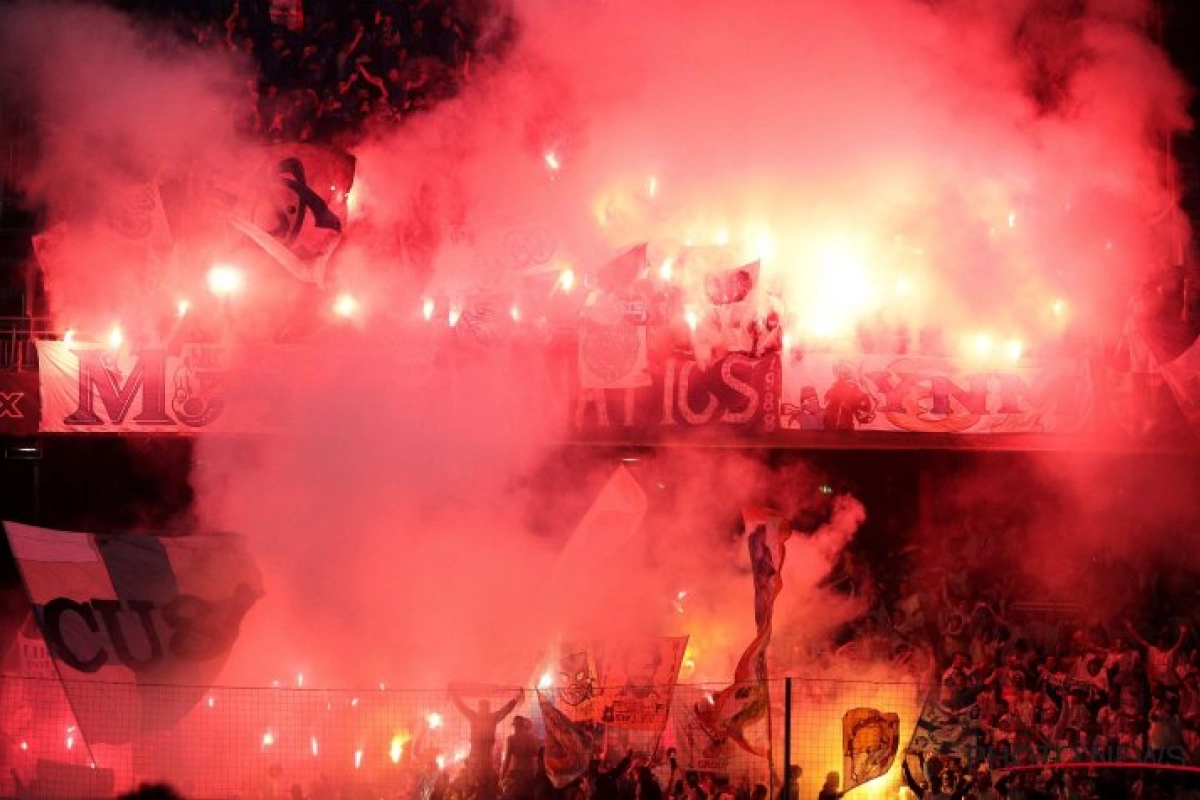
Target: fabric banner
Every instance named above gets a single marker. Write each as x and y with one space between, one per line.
19 403
738 390
870 739
620 684
568 745
745 702
825 391
946 731
289 201
638 679
88 388
697 748
123 614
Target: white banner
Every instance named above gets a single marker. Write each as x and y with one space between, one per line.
88 388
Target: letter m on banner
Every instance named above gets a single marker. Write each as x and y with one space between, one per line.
137 626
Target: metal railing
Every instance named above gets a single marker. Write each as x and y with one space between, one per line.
18 337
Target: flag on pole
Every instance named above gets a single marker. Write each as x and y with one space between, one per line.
568 745
870 739
137 626
745 702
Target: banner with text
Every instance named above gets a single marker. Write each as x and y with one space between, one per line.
123 615
911 394
19 408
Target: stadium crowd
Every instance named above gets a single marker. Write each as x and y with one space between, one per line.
332 70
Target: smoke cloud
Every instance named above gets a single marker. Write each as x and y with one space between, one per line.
952 164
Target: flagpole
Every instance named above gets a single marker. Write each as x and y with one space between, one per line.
53 655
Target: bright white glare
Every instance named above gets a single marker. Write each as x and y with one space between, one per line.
225 280
567 279
345 306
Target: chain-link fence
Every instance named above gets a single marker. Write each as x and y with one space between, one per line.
226 742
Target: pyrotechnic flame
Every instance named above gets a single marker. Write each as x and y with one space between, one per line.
721 237
397 749
427 306
115 338
299 680
441 761
68 336
552 161
358 755
434 720
515 312
24 745
315 749
677 603
211 701
455 313
692 319
225 280
566 279
1013 349
652 186
664 271
268 739
547 680
354 703
345 306
183 307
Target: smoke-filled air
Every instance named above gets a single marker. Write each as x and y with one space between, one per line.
988 179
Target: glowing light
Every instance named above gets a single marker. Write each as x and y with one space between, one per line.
345 306
546 681
70 742
115 338
358 754
397 749
183 307
665 270
382 686
315 749
678 602
1059 308
427 306
515 312
1012 219
690 664
566 279
552 161
455 314
786 341
299 680
981 345
692 319
212 701
903 287
766 245
434 720
268 739
460 755
68 336
24 745
1013 349
354 703
441 761
722 237
652 186
353 200
225 280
